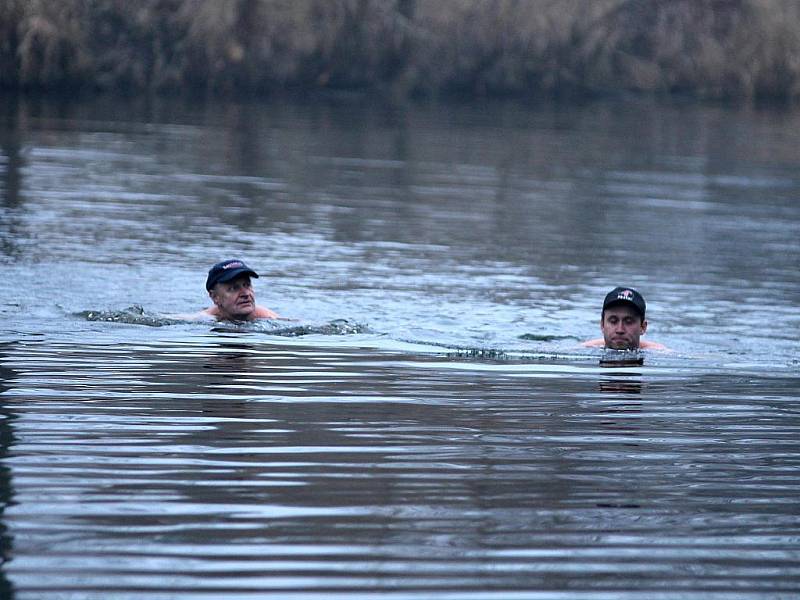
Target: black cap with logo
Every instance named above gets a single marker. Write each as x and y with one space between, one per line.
625 295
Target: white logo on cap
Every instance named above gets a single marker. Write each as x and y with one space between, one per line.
232 265
625 295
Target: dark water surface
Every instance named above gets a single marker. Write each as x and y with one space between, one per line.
429 426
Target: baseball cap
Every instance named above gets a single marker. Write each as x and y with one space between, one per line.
625 294
227 270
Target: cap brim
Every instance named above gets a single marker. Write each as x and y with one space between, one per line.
234 273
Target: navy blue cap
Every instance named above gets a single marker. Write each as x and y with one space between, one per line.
227 270
626 295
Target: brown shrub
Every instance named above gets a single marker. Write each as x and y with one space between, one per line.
711 48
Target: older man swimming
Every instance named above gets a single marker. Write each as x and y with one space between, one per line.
231 290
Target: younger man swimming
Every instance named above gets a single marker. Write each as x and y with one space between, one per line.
623 322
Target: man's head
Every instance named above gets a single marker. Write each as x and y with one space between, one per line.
229 287
623 318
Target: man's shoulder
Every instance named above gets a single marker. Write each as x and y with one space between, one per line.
212 312
262 312
647 345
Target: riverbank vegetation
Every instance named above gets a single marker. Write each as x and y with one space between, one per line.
707 48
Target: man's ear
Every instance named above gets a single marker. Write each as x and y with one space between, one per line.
213 296
644 325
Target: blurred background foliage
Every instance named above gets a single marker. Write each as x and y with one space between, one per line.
716 49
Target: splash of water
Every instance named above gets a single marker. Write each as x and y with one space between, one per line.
335 327
136 315
132 315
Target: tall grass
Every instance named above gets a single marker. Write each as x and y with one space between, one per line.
710 48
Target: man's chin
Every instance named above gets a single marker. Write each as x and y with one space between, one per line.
244 314
620 345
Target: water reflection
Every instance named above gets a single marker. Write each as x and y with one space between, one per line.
11 144
12 163
621 385
335 468
7 440
625 384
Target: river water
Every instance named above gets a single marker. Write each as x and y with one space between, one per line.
428 426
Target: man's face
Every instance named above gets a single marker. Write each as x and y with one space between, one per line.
622 327
235 299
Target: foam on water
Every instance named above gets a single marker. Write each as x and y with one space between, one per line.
136 315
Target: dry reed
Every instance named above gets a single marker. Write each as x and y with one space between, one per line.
710 48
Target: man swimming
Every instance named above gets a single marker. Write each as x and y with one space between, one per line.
623 322
230 289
